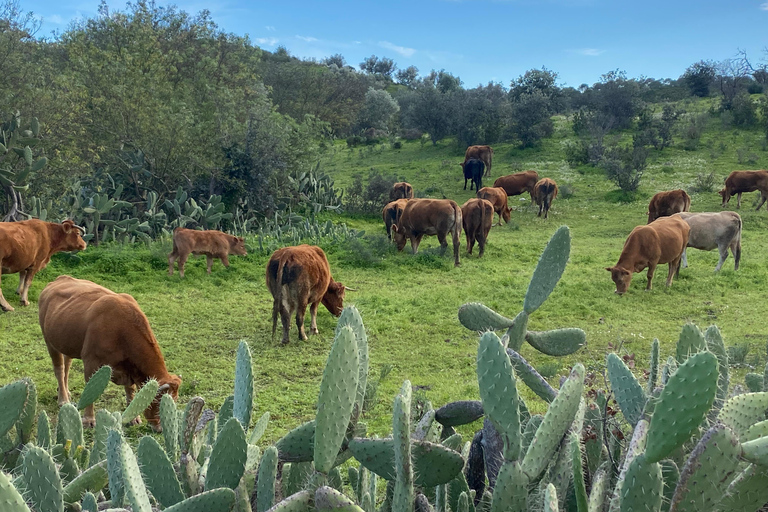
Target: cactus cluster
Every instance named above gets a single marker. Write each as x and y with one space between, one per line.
17 161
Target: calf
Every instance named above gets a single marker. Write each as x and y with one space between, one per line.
401 190
473 172
484 153
662 241
498 198
477 216
26 247
297 277
516 184
429 217
739 182
391 214
82 320
719 230
664 204
544 193
212 243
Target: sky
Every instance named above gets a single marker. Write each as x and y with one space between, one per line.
485 40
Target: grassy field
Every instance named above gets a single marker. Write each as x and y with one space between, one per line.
409 303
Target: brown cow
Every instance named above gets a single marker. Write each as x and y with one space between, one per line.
662 241
297 277
498 198
739 182
26 247
477 216
544 193
484 153
391 214
429 217
401 190
664 204
516 184
212 243
82 320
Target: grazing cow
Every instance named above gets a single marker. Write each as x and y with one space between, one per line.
473 172
664 204
297 277
719 230
477 216
82 320
401 190
26 247
212 243
739 182
544 193
429 217
516 184
391 214
498 198
662 241
484 153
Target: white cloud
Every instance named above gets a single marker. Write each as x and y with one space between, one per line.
267 41
402 50
54 18
270 28
307 39
764 6
589 52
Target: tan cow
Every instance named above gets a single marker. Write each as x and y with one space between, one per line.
401 190
429 217
739 182
661 241
516 184
498 198
297 277
82 320
26 247
667 203
391 214
544 193
212 243
477 216
484 153
721 230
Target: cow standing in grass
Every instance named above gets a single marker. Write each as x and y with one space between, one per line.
516 184
544 193
484 153
421 217
667 203
212 243
720 230
473 172
477 217
739 182
26 247
391 214
498 198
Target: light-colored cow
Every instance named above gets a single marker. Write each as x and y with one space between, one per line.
710 230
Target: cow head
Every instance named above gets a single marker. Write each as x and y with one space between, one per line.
73 237
622 277
169 385
237 246
398 235
334 297
725 195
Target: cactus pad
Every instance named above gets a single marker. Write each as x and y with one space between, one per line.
217 500
158 473
259 428
26 422
350 316
628 392
169 420
95 386
135 491
265 495
548 270
459 413
743 411
10 499
643 486
298 444
559 342
511 489
141 400
13 396
691 342
69 426
43 430
228 457
531 377
748 491
479 318
515 335
94 479
243 404
44 488
329 499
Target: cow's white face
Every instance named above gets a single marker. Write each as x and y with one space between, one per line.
622 277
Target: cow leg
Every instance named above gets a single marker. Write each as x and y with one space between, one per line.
300 313
736 251
443 243
651 270
4 303
313 318
415 241
465 184
130 390
481 244
25 291
209 261
685 258
182 262
22 276
285 319
723 250
225 261
674 268
470 241
171 260
57 359
738 202
456 240
762 202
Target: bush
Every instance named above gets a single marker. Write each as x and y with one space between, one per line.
411 134
704 183
743 110
693 131
625 166
369 198
576 153
354 140
566 191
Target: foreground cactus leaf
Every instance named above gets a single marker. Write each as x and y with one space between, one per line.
135 491
95 387
351 317
548 270
748 491
479 318
69 426
691 342
627 390
259 428
94 479
559 342
10 499
265 497
531 377
158 473
743 411
243 401
44 489
643 486
297 502
459 413
13 396
217 500
328 499
141 400
509 493
169 420
298 444
228 457
402 497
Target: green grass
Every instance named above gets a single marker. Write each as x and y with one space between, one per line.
409 303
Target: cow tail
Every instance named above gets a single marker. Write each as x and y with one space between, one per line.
737 252
456 221
278 296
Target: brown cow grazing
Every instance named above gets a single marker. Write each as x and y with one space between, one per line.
516 184
664 204
544 193
82 320
212 243
739 182
429 217
484 153
662 241
477 216
392 213
401 190
26 247
498 198
297 277
719 230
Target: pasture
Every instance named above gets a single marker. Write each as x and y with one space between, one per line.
409 303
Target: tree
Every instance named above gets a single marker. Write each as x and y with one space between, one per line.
407 76
541 80
378 109
531 118
429 110
617 97
481 114
378 66
336 59
699 77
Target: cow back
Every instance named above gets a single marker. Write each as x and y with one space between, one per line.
303 269
516 184
746 181
401 190
476 213
31 243
428 216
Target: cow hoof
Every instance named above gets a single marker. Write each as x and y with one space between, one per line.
25 303
135 421
7 309
285 341
315 331
156 428
89 422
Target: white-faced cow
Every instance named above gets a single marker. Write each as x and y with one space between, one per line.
212 243
718 230
26 247
82 320
739 182
421 217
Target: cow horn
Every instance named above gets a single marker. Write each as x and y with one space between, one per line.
350 289
82 229
162 389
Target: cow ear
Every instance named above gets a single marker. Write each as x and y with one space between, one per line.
625 272
609 269
394 228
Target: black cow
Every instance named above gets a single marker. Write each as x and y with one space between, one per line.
473 170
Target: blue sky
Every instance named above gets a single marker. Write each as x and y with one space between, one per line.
487 40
